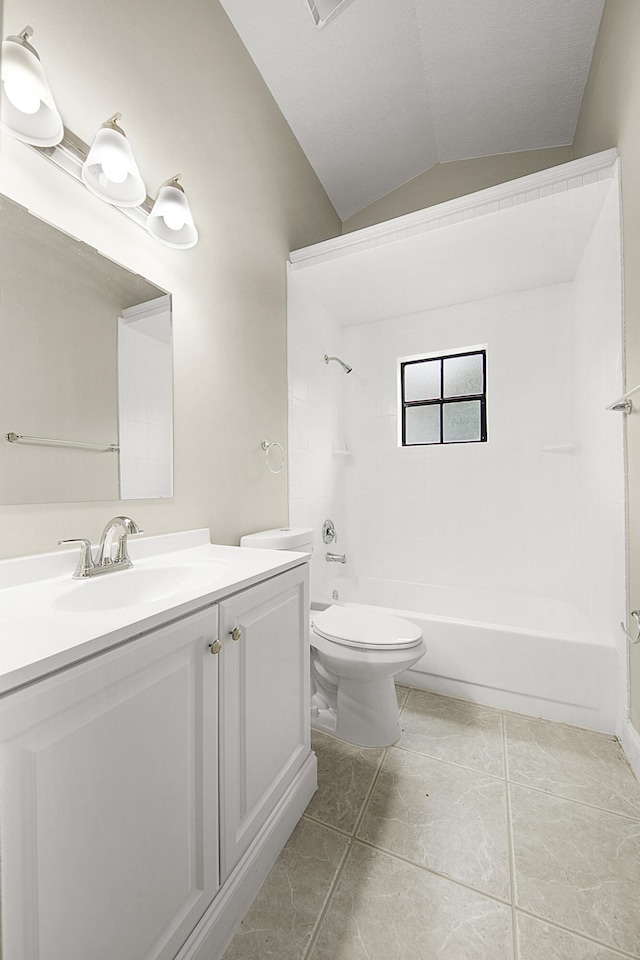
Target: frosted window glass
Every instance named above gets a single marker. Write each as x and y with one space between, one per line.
422 380
422 424
463 376
461 421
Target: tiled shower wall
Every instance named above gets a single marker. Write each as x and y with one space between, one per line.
599 452
537 511
498 515
316 432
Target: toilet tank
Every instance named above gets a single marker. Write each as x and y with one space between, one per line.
298 539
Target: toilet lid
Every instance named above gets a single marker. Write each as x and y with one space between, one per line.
365 628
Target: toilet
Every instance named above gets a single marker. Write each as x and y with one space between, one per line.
356 653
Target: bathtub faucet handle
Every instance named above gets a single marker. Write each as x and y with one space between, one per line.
329 531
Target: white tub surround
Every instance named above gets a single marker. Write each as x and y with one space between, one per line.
535 516
554 181
141 749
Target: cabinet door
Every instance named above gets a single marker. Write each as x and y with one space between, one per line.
109 801
264 704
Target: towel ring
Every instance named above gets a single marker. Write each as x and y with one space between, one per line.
266 446
636 616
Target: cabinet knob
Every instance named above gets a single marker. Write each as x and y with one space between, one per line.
236 633
215 647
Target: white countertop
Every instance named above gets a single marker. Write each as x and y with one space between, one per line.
47 619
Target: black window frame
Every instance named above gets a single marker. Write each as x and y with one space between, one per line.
443 401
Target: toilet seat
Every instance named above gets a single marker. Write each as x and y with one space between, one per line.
365 629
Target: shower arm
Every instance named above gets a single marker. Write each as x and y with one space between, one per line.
345 366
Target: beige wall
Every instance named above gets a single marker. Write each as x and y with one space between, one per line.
192 102
610 117
448 180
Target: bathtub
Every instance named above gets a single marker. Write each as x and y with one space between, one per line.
531 655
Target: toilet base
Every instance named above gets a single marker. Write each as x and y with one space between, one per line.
324 719
366 713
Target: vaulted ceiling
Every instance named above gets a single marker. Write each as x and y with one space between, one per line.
388 88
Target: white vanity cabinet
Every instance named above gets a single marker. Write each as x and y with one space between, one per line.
146 791
109 798
264 705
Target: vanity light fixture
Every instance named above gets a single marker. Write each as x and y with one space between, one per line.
170 220
27 107
110 170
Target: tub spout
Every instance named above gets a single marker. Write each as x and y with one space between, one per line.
335 557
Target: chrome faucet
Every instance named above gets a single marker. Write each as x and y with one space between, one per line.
116 530
335 557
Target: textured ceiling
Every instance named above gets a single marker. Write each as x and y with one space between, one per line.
388 88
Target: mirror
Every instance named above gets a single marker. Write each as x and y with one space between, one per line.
86 392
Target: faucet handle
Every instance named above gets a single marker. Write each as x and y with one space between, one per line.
120 528
85 563
130 528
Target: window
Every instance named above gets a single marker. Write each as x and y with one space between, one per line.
443 398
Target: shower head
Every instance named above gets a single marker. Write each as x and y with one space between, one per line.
345 366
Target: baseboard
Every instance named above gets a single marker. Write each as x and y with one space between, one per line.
630 740
213 933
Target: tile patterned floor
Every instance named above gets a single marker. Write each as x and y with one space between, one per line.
481 835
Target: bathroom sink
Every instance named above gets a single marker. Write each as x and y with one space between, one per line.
138 585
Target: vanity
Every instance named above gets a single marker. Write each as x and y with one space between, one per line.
154 746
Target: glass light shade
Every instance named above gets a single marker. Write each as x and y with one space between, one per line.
110 170
170 220
27 107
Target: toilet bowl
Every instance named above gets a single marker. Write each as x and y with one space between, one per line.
355 656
